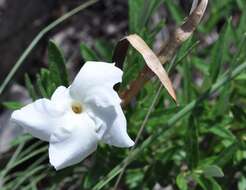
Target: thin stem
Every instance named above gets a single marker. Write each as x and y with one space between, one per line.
38 38
151 108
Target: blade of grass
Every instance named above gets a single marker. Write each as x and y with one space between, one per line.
26 176
17 162
39 36
12 160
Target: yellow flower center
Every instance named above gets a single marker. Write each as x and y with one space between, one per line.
77 107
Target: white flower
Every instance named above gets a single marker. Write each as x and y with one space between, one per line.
78 117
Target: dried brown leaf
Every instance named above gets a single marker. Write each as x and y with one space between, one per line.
149 56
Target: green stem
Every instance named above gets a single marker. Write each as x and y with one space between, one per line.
169 125
38 38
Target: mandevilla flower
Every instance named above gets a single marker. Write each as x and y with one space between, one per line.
78 117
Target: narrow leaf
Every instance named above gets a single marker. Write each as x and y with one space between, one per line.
12 105
57 65
30 87
104 49
213 171
208 183
41 87
227 155
87 53
222 132
218 53
181 182
192 143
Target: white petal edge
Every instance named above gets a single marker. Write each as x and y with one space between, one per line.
61 98
38 118
72 142
94 74
116 134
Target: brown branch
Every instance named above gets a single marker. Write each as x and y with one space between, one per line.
180 35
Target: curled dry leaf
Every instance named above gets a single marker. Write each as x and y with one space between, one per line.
149 56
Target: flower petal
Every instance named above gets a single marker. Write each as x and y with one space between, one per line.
73 141
61 98
93 86
100 104
116 135
38 118
94 74
101 97
111 122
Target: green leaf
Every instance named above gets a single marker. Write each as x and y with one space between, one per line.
175 11
156 30
200 64
238 113
181 182
87 53
223 102
192 143
135 8
208 183
213 171
134 177
240 155
226 155
242 6
104 49
218 52
41 87
222 132
12 105
88 182
187 72
20 139
57 65
241 77
140 12
150 8
30 88
242 183
47 82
